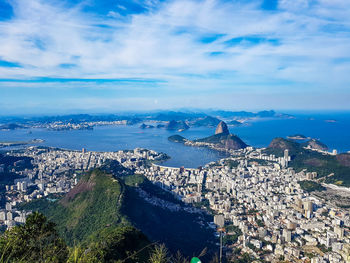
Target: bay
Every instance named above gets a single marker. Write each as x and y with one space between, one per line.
331 128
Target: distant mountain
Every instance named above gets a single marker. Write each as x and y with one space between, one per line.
177 125
266 114
243 114
11 126
177 116
206 121
234 123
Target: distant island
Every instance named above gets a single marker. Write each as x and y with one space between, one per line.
177 125
145 126
331 121
19 143
298 137
12 126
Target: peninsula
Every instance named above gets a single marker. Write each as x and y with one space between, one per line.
222 140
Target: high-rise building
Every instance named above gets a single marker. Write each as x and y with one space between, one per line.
287 235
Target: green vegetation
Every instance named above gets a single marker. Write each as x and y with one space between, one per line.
313 161
99 205
36 241
231 163
310 186
87 209
179 230
233 232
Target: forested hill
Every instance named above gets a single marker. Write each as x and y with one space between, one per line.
314 161
101 203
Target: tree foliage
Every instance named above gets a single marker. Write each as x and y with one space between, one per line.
35 241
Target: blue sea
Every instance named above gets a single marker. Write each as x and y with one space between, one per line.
332 128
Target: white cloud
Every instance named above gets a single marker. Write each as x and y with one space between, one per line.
164 43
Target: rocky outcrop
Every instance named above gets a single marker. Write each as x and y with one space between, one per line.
145 126
177 125
222 129
316 144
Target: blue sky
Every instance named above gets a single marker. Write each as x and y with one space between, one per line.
60 56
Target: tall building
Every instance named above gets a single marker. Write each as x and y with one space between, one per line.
308 208
287 235
286 154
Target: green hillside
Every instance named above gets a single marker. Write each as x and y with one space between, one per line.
99 205
313 161
179 230
91 206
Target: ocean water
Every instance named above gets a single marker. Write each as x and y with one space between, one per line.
333 129
114 138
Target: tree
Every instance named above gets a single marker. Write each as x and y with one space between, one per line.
35 241
159 254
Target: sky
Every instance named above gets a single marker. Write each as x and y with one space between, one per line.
66 56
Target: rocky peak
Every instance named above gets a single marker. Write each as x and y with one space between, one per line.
222 128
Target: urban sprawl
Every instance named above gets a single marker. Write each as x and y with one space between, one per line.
250 193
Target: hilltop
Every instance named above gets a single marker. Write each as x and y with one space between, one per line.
334 169
222 128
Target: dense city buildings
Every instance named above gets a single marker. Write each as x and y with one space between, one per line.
257 195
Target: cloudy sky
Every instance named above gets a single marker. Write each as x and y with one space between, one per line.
109 55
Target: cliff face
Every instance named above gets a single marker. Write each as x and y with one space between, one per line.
222 129
233 142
